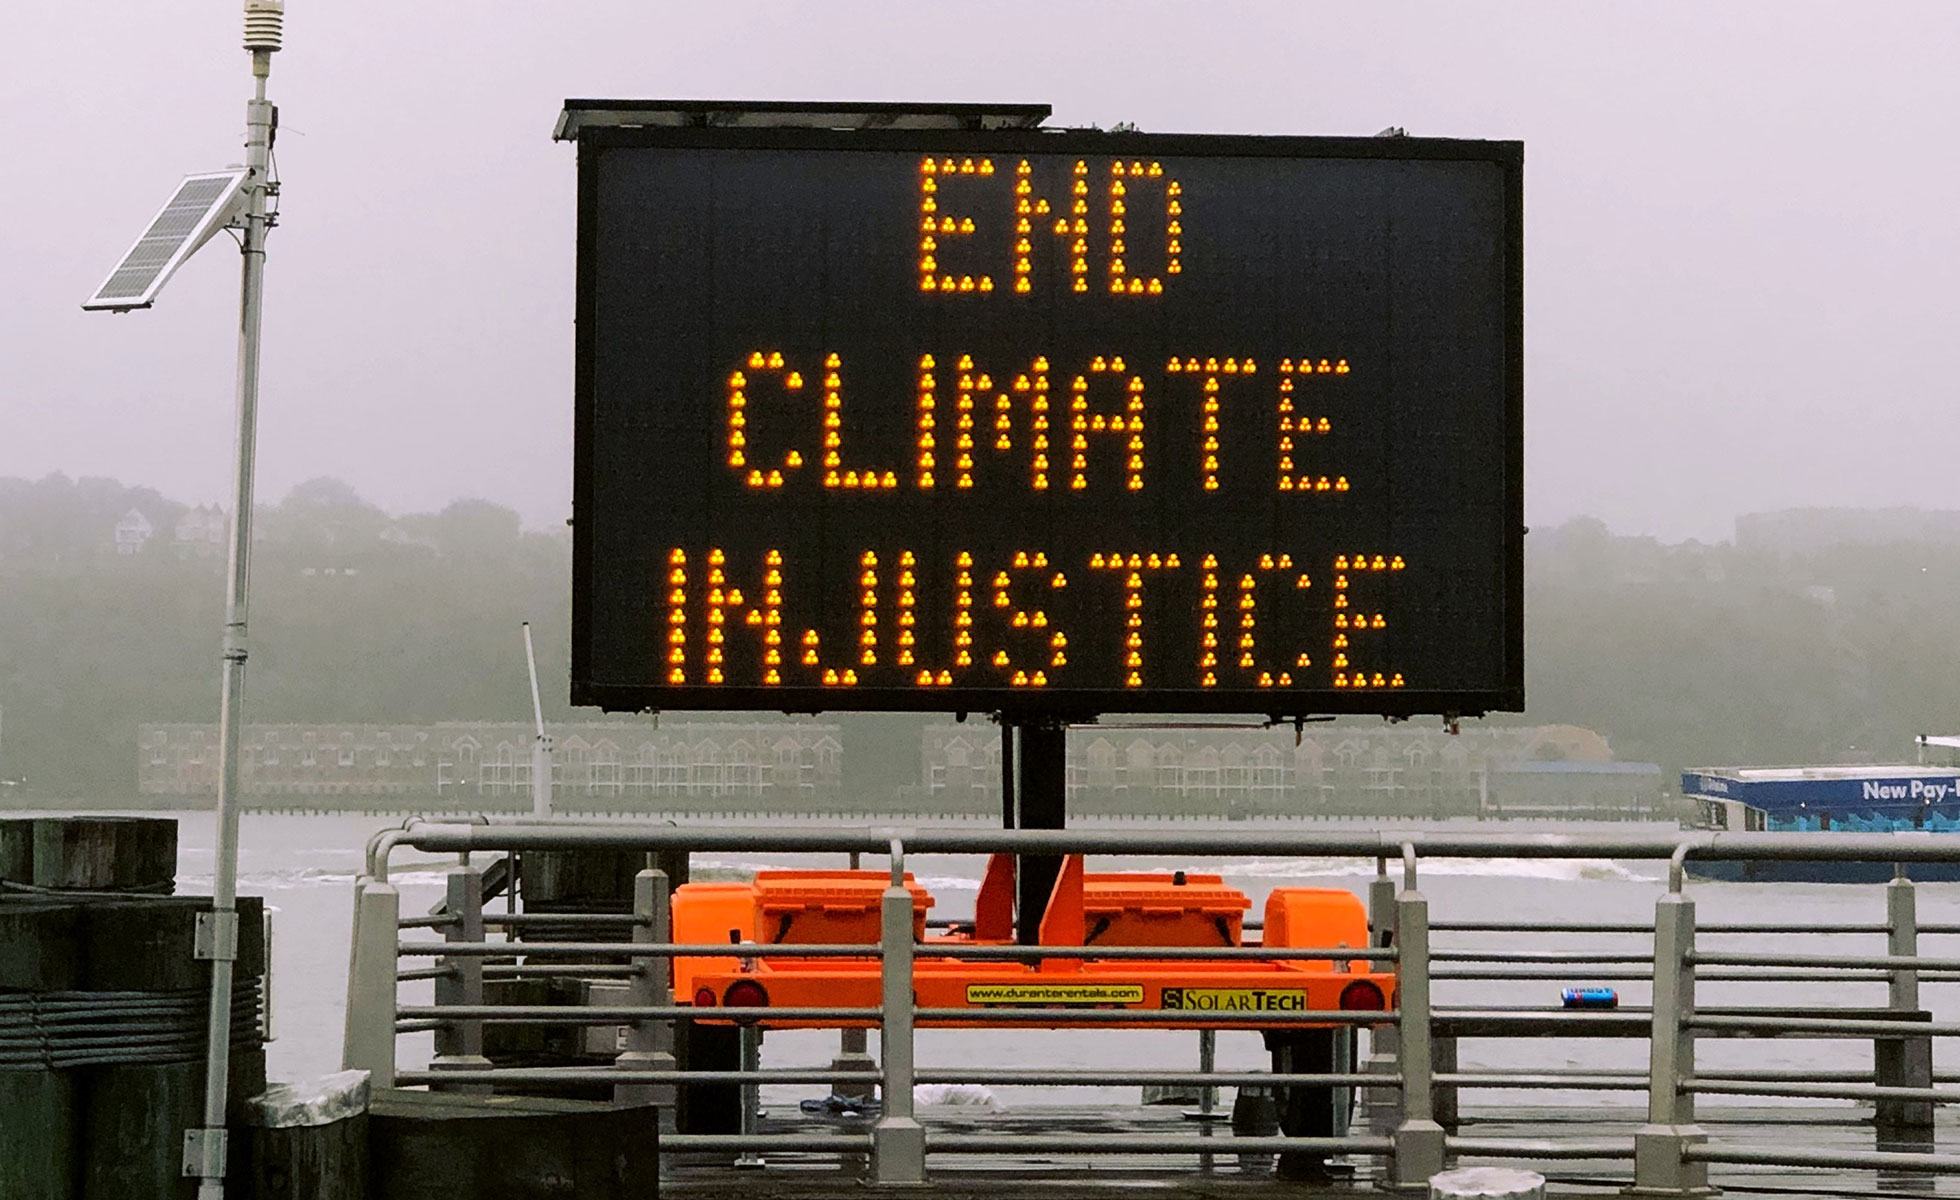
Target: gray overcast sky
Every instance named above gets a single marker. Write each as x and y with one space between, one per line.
1741 237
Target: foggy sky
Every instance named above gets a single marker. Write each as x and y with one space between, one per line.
1740 218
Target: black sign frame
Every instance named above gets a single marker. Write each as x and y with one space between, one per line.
1505 694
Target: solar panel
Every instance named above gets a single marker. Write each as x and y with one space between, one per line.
201 206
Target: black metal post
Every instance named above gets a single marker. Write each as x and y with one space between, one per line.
1042 793
1007 775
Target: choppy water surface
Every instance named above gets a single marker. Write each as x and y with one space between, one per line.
305 867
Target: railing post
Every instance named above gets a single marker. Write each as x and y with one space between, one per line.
898 1141
1418 1139
1384 1104
459 1044
649 1042
368 1041
852 1044
1658 1166
1903 1061
749 1158
1207 1094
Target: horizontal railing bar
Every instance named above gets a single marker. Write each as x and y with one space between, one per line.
1102 1144
1555 1077
1174 1018
1907 846
1074 1077
1815 975
1482 1147
779 1143
929 950
1528 1081
1770 1075
1647 928
631 950
419 1026
1537 956
1827 1026
443 921
613 1014
1792 1156
559 920
613 1075
1615 927
1563 974
1880 962
1818 1091
554 971
424 973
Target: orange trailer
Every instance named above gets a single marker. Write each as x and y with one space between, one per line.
1085 910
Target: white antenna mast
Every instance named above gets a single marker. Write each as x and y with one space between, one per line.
541 745
238 199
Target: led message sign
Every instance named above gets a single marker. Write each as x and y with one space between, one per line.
1039 421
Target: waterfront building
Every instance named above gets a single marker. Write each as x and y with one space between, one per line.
1330 770
597 764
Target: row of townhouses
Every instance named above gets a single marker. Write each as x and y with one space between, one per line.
798 766
458 761
1524 770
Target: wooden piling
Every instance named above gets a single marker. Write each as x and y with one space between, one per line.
38 1159
16 852
438 1146
105 854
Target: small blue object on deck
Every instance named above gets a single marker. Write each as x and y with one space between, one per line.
1590 997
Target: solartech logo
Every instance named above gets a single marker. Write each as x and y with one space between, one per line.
1235 1000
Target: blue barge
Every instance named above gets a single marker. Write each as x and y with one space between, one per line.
1853 799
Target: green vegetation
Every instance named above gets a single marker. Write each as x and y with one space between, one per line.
1771 650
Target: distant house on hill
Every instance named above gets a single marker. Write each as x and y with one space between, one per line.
133 532
200 532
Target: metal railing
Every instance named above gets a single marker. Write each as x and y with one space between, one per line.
1408 1078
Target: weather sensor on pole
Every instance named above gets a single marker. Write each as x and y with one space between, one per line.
237 199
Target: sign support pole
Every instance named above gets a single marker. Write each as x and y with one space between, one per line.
1041 791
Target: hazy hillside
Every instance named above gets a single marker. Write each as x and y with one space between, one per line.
1684 654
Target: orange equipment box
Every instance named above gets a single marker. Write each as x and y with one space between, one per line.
1140 909
832 907
1322 918
806 907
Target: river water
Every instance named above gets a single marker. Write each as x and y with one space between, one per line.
305 867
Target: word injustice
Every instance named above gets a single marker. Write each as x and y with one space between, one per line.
1027 621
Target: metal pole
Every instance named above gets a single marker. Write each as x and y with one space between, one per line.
1384 1103
1042 797
205 1152
852 1043
369 1041
1660 1164
459 1046
751 1093
898 1140
541 744
649 1042
1207 1094
1903 1061
1419 1139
